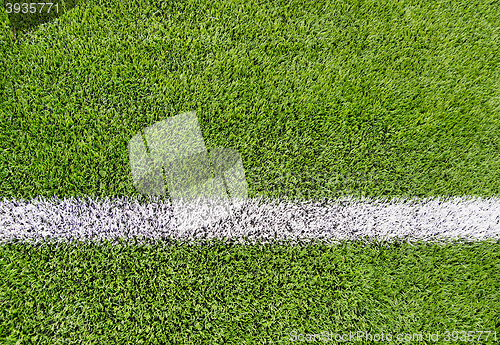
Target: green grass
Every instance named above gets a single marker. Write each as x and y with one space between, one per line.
322 99
378 98
222 293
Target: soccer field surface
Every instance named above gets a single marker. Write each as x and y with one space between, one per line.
369 134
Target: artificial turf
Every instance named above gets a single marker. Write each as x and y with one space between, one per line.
373 98
321 99
218 292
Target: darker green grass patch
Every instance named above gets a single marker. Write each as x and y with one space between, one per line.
218 292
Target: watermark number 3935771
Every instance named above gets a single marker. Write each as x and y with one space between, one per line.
31 7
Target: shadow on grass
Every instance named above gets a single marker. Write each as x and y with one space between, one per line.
27 15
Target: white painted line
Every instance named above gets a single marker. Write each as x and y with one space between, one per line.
69 219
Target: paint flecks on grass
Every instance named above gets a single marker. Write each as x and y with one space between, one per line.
260 219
